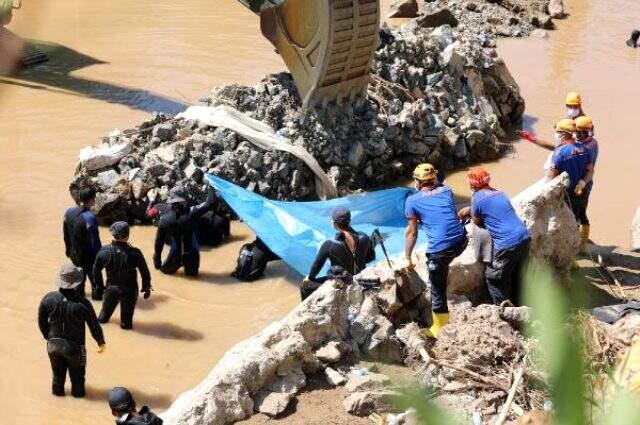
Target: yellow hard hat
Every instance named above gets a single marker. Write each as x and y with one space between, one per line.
566 125
425 172
573 99
584 123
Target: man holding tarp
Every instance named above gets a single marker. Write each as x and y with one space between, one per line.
433 208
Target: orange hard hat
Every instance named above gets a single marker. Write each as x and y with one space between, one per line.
566 126
584 123
573 99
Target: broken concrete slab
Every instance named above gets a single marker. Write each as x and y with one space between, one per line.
329 353
272 403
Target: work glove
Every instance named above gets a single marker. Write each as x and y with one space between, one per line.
101 348
580 187
526 135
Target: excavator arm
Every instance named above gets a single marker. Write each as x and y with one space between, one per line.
327 45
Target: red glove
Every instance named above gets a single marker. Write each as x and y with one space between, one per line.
526 135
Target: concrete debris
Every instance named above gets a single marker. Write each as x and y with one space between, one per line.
438 18
438 95
556 9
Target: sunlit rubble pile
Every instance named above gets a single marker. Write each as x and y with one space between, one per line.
436 96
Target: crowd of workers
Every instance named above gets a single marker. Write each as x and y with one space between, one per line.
63 314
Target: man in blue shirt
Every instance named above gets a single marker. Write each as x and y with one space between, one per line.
433 208
584 135
577 161
82 237
492 209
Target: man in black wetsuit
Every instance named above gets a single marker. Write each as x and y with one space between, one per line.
123 408
81 236
350 250
62 316
177 229
121 261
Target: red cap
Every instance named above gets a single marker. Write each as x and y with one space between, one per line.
478 178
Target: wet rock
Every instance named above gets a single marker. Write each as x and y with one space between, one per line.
437 18
403 9
334 377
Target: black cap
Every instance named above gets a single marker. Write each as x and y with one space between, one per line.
120 399
341 215
119 230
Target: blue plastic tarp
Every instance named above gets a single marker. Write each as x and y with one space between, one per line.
295 230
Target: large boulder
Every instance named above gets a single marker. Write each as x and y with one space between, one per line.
261 372
635 231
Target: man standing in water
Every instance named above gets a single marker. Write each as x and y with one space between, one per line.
123 408
121 261
350 250
82 238
62 316
492 209
177 228
433 209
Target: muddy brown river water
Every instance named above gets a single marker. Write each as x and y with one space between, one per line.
114 62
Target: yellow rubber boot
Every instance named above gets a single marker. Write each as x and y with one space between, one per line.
439 320
584 237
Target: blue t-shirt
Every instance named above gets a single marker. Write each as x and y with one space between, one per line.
592 147
573 158
500 219
436 211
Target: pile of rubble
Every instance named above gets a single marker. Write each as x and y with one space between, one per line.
505 18
441 96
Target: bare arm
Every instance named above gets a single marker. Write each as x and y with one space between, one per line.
545 144
411 236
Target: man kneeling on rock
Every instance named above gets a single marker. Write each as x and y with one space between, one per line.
121 261
433 208
350 251
492 209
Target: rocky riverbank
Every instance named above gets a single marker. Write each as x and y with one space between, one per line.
437 95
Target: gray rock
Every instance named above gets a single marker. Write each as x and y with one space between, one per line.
334 377
139 188
356 154
556 9
107 179
330 352
474 136
437 18
365 403
388 299
403 9
542 20
164 131
271 403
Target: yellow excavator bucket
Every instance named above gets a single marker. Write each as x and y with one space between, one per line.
327 45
